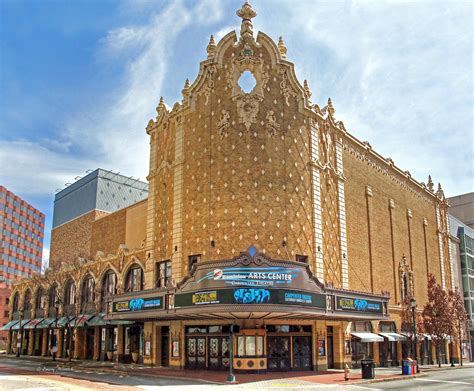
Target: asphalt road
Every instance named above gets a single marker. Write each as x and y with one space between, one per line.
23 376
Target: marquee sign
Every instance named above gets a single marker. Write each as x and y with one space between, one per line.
139 304
250 296
358 305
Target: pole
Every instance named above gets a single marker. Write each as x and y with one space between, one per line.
415 339
460 342
231 377
56 331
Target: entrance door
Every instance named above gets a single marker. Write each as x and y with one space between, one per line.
89 344
330 352
218 352
165 350
196 352
278 353
302 360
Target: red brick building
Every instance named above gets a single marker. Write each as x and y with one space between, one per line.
21 246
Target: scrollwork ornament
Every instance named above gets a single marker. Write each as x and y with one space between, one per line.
223 124
272 126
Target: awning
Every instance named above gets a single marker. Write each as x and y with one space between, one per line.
62 322
393 337
47 322
33 323
99 320
21 324
81 320
9 325
367 337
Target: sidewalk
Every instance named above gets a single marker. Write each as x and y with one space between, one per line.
220 377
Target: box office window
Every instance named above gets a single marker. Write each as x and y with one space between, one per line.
249 345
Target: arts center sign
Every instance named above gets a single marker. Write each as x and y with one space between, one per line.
249 286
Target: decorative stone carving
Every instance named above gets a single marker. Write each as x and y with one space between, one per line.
247 108
272 126
406 280
284 87
223 124
209 83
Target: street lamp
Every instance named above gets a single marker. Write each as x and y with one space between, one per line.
415 337
20 344
452 350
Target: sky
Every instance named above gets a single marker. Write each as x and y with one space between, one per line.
79 80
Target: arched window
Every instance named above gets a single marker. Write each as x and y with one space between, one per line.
27 303
88 286
134 279
70 293
16 302
40 299
108 288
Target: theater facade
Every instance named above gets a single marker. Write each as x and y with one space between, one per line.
271 237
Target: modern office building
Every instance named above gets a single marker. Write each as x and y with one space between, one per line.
77 206
267 227
463 249
21 245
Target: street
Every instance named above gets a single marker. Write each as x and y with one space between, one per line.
28 375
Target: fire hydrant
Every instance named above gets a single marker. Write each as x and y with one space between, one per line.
347 373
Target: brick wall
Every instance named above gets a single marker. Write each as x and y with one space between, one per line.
73 239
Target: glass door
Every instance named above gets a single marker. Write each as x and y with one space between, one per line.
302 360
196 352
278 353
218 353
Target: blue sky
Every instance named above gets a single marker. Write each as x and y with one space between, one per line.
79 80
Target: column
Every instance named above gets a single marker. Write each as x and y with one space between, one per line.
322 361
44 342
31 341
120 347
376 344
157 346
97 344
147 339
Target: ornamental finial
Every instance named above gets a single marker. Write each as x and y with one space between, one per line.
430 184
330 108
282 47
246 13
211 48
307 91
161 106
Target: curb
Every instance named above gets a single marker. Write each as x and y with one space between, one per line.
399 377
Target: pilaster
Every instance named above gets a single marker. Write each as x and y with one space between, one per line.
391 207
177 257
317 217
368 197
342 216
440 246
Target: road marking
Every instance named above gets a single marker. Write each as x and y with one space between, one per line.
443 381
365 388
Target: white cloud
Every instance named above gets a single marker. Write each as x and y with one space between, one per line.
399 73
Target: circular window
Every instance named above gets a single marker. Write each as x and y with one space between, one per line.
247 82
239 363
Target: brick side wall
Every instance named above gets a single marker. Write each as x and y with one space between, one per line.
387 225
108 233
73 239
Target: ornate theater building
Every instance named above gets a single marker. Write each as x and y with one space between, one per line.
268 228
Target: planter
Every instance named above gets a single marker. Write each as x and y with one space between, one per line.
135 357
110 355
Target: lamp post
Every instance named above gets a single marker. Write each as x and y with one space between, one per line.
230 376
54 341
415 336
452 350
20 343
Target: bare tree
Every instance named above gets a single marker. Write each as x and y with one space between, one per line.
436 314
459 319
